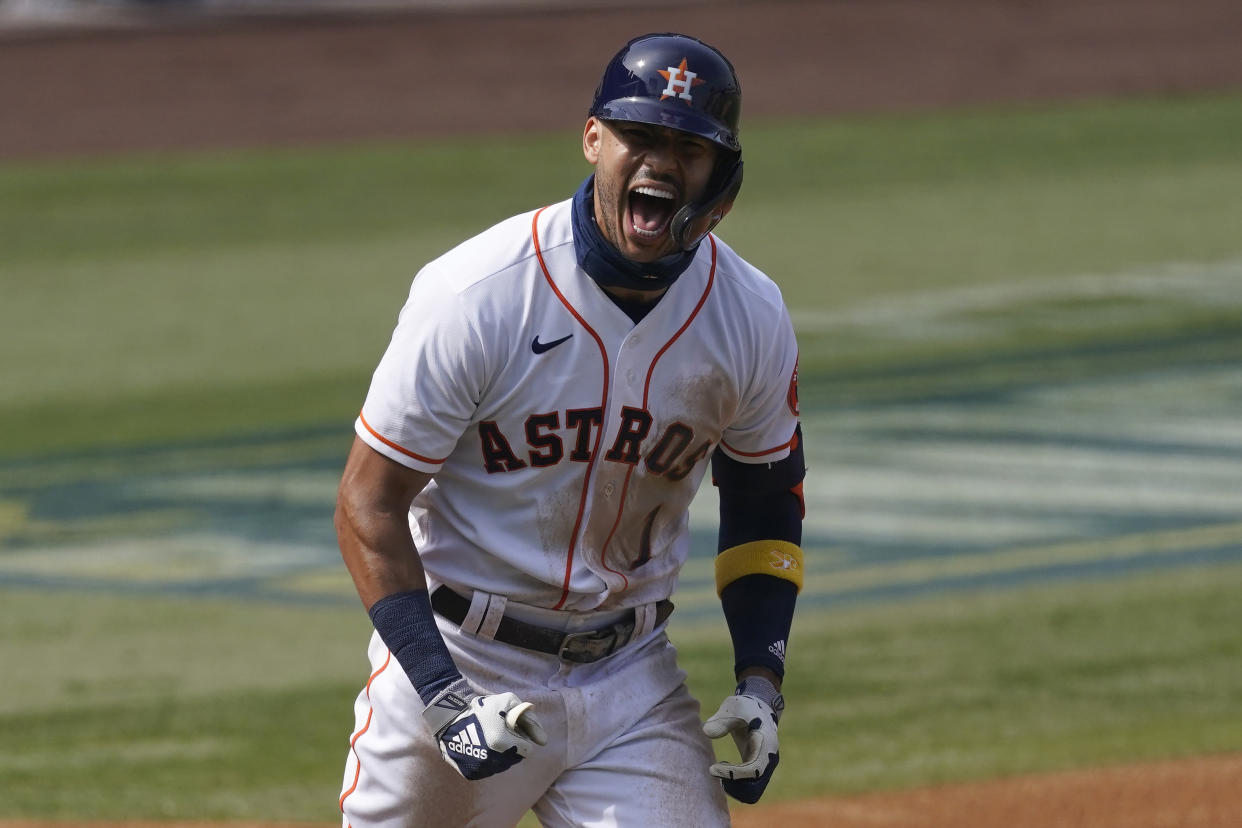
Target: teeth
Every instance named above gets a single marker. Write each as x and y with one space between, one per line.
653 192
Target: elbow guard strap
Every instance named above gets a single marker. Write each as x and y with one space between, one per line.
780 559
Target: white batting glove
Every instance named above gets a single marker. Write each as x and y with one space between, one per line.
750 716
482 735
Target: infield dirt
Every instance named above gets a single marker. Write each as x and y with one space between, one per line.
182 81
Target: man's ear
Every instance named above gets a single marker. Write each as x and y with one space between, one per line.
592 135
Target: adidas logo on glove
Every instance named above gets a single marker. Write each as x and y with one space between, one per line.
468 743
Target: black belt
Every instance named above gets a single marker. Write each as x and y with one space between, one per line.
579 647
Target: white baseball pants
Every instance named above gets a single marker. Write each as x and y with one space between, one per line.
625 745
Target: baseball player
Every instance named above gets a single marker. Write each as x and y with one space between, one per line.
514 507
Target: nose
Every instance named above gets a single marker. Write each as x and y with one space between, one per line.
662 155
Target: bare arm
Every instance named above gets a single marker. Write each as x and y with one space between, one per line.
372 524
373 529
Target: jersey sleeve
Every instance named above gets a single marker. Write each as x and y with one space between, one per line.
763 431
426 388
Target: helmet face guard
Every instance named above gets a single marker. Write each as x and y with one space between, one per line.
696 219
679 82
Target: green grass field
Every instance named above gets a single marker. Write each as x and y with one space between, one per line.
1020 335
172 296
217 709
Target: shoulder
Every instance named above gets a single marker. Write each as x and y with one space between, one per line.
742 282
502 250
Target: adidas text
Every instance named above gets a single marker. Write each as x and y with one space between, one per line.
468 750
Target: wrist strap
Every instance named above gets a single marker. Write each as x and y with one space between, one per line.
765 691
447 705
407 626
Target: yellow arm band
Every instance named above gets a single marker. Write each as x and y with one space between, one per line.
780 559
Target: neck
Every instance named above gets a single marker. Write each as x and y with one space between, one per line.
631 295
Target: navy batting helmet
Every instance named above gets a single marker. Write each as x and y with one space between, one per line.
680 82
676 81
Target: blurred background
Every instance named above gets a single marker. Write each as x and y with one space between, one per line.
1008 233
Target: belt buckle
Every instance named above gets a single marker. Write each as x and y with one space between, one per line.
593 645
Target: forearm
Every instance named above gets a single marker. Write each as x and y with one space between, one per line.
373 524
373 531
378 552
759 568
758 609
383 562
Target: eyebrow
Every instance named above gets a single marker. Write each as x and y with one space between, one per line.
654 129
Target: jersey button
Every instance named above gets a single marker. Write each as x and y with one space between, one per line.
629 375
608 487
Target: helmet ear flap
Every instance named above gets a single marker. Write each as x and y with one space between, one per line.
695 220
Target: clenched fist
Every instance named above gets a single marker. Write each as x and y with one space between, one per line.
482 735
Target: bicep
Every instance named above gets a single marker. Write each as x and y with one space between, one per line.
377 482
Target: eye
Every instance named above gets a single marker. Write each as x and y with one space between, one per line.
635 136
694 148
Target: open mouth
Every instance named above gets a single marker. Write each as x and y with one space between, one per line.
651 209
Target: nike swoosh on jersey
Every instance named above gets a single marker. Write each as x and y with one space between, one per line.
541 347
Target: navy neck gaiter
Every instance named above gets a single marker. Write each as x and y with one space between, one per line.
605 264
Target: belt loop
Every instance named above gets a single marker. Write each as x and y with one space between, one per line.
477 614
644 621
491 619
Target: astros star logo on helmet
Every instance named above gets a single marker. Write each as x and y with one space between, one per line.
680 81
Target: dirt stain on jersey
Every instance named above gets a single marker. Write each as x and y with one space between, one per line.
555 516
707 400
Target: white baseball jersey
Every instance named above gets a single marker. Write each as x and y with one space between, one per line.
566 441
